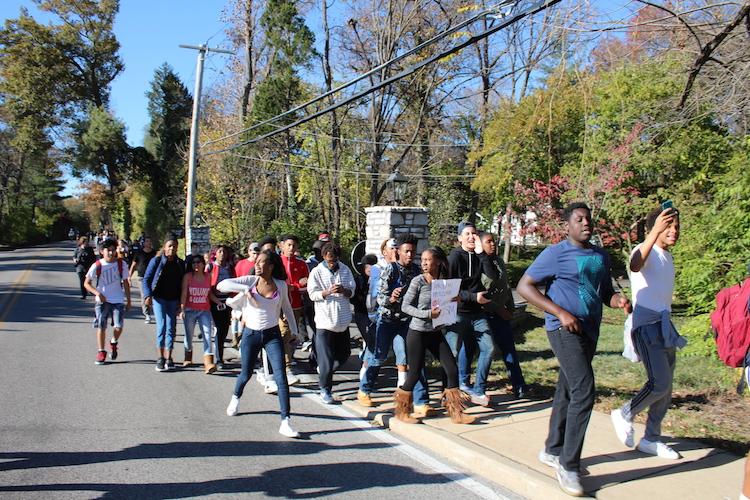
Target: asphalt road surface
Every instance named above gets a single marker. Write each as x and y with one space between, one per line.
72 429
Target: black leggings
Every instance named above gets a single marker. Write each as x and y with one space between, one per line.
416 345
222 320
81 280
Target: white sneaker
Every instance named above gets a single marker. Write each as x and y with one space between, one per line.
270 387
480 399
658 449
623 428
233 405
286 430
570 482
549 459
291 378
401 380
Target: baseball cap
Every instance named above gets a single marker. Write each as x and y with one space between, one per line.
254 246
391 243
464 225
324 237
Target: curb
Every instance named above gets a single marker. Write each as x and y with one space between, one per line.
474 458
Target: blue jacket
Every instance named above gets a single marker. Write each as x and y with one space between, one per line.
153 273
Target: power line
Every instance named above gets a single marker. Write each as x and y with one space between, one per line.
538 6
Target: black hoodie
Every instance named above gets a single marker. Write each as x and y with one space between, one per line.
468 266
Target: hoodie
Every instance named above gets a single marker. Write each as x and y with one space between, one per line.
469 267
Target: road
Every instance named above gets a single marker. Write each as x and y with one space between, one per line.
72 429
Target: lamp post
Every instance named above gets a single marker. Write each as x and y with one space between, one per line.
397 185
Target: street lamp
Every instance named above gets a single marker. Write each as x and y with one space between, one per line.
397 184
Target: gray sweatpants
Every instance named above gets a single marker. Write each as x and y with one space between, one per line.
656 394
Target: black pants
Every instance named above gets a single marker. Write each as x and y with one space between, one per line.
222 320
81 279
574 396
332 350
417 344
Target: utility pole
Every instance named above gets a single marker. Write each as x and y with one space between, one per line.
193 155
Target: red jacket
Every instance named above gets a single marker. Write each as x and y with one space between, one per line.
296 269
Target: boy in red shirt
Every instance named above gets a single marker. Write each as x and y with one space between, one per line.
296 279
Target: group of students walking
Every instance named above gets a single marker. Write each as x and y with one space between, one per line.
273 291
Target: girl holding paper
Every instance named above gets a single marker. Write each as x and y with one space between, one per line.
422 336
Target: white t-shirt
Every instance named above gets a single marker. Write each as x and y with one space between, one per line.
110 281
653 285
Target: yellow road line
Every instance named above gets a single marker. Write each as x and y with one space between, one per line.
14 289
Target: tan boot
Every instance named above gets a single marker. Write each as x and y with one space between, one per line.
188 359
455 403
404 406
208 364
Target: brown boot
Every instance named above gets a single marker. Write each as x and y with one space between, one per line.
404 406
188 359
208 364
455 403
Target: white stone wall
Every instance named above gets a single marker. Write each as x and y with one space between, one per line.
389 222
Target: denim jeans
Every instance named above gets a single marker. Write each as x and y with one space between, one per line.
166 322
387 334
203 319
502 334
472 330
270 340
574 396
147 310
656 394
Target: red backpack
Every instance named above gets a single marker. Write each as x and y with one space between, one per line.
730 322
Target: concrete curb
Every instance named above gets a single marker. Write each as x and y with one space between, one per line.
477 459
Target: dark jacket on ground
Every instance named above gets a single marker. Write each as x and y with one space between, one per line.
469 267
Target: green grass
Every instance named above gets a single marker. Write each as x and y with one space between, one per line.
705 405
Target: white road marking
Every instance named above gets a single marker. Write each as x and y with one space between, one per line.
449 472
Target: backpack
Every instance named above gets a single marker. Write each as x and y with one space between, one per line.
98 264
730 322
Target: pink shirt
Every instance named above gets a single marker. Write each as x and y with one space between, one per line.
197 296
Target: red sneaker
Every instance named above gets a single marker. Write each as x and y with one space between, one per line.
113 350
101 357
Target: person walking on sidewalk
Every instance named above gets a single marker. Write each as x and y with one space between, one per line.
262 298
296 280
423 336
162 287
468 263
499 313
107 280
195 308
83 259
653 338
140 262
578 281
330 286
220 269
393 324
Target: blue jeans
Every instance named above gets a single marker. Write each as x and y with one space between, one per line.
472 331
166 322
502 334
203 319
387 334
270 340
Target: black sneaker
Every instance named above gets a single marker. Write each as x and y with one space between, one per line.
160 365
112 350
169 364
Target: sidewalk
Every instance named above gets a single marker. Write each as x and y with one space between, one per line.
503 445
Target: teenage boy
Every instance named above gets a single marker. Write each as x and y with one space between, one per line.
578 281
245 266
107 280
139 264
392 324
652 335
331 284
468 263
296 280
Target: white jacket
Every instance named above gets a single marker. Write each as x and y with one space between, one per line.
334 312
258 313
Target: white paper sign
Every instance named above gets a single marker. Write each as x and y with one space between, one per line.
443 292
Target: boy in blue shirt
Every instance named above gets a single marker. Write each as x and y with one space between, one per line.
577 275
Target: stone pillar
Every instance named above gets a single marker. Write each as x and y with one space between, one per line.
389 222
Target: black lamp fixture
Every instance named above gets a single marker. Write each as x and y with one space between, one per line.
397 185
